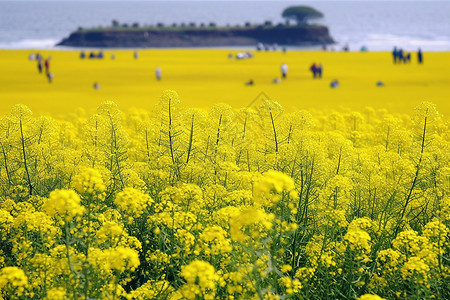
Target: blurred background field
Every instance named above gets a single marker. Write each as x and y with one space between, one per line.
203 77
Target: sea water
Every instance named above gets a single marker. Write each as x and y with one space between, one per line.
377 25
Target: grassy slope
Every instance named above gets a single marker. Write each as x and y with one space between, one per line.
205 77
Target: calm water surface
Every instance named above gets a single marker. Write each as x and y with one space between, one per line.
379 25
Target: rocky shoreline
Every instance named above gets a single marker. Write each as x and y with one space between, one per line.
199 37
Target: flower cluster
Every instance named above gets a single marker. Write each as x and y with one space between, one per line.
64 204
253 203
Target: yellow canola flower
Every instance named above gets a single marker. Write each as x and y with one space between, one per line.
304 274
271 296
285 268
358 240
246 218
169 96
12 281
291 285
20 112
173 219
370 297
151 290
436 232
361 223
132 201
408 241
89 181
186 194
56 294
13 276
319 252
201 273
389 258
65 203
111 233
417 268
273 182
201 280
120 259
215 240
5 219
331 217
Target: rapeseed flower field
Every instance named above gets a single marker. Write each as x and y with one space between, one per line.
145 193
206 77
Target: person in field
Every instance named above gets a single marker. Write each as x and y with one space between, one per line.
39 65
419 56
319 71
158 72
407 58
313 69
284 70
47 65
400 57
395 54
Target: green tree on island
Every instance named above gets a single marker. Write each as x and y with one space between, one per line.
301 14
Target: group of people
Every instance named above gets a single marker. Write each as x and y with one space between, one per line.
42 64
268 47
316 70
96 85
284 68
401 56
92 55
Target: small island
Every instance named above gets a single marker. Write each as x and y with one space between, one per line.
294 32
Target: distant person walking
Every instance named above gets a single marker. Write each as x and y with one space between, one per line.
313 69
284 70
39 65
47 66
136 55
407 58
400 57
158 72
395 54
419 56
319 71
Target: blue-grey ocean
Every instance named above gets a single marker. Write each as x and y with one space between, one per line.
378 25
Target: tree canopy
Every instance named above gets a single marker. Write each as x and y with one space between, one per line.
301 14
